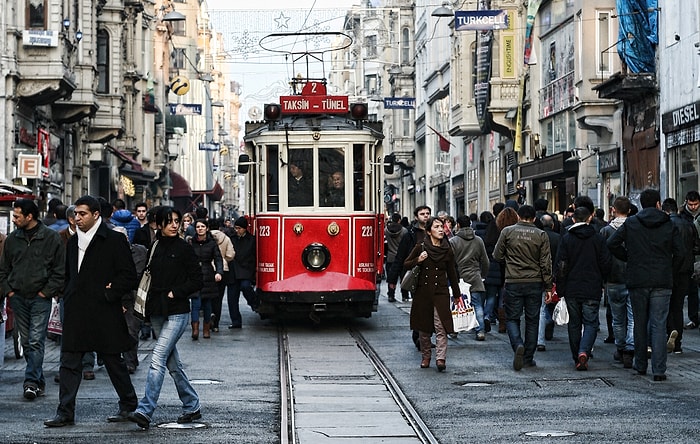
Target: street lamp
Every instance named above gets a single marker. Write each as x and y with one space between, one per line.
173 16
443 11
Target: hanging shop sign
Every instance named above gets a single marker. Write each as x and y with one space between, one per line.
399 102
185 109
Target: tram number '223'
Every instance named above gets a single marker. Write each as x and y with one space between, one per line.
264 231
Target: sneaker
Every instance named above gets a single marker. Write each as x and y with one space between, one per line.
541 347
31 392
671 343
609 340
678 350
518 358
582 362
480 336
690 325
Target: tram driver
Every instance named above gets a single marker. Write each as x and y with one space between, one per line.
300 188
335 195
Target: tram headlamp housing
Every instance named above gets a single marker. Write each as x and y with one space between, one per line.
316 257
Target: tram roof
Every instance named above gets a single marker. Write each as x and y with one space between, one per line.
300 122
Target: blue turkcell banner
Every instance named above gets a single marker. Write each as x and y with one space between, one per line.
485 20
185 109
399 102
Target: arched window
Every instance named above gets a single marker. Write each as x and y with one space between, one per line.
405 46
102 61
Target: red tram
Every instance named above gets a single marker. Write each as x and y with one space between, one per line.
314 193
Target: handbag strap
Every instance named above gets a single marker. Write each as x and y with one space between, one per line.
153 250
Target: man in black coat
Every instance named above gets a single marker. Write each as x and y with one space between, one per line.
651 246
682 276
581 266
241 272
100 275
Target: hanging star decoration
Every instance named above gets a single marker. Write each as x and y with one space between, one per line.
282 21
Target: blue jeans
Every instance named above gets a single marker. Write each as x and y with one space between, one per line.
582 312
623 320
527 297
200 303
650 308
478 304
165 356
233 295
32 320
492 295
545 318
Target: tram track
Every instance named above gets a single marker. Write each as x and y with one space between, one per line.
363 397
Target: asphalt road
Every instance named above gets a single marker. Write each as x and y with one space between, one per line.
478 399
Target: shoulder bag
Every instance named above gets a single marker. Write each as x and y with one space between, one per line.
410 279
144 286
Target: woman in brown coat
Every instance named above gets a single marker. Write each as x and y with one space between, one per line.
430 311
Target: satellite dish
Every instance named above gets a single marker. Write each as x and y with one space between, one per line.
254 112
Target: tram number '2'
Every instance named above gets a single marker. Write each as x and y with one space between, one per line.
264 231
367 231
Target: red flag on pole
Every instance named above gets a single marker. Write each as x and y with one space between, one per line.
444 141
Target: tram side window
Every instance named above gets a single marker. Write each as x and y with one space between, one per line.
331 183
358 173
300 178
273 183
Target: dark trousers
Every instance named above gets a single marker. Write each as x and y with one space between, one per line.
134 325
233 294
693 301
519 298
217 302
681 283
71 375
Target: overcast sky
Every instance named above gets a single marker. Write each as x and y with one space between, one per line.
264 75
279 4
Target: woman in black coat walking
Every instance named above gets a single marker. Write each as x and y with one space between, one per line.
175 274
207 250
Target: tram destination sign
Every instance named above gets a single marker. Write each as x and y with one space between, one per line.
314 104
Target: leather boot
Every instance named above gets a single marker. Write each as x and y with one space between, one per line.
501 320
195 331
206 333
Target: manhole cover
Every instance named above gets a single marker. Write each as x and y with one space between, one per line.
174 425
550 433
205 381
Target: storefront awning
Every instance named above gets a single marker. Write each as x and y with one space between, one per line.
215 194
125 158
181 188
551 167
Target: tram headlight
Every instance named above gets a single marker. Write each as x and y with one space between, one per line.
316 257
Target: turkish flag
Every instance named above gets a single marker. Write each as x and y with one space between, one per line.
444 141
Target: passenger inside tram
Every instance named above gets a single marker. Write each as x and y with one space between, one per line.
300 187
335 194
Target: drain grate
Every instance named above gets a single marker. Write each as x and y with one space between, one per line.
553 383
474 383
339 378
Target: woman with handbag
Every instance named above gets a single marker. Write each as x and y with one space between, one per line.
207 250
175 275
430 311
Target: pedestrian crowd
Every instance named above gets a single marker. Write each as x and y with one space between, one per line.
519 261
82 264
